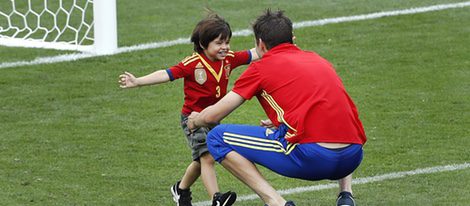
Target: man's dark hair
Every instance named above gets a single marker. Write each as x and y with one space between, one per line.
209 29
273 28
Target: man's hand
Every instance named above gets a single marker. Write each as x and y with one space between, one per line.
192 121
212 115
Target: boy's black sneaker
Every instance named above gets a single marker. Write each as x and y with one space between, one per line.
345 199
225 199
181 197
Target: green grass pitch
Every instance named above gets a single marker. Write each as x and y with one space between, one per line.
70 136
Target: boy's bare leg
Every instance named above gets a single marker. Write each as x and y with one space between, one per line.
345 184
247 172
209 178
193 171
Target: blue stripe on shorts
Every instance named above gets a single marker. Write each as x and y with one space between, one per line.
269 148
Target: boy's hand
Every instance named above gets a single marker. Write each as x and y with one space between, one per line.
127 80
191 121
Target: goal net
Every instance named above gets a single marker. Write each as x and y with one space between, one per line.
83 25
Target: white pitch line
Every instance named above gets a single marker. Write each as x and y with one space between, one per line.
357 181
245 32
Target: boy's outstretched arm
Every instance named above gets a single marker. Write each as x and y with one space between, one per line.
128 80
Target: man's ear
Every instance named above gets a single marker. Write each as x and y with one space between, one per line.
262 46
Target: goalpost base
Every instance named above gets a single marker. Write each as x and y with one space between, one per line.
96 34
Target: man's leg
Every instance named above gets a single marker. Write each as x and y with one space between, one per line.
247 172
239 147
345 184
345 197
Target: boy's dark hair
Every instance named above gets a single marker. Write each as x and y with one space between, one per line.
273 28
209 29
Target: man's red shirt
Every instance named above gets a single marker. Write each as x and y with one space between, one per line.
303 91
205 81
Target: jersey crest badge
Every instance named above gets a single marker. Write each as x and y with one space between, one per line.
227 71
200 76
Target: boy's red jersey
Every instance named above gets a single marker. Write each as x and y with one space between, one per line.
205 81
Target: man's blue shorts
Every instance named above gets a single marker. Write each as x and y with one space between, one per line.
269 148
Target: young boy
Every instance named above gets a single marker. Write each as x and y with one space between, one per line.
206 74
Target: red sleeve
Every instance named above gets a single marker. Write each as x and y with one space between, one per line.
241 58
248 84
179 71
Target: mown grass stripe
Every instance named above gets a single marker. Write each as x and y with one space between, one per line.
245 32
357 181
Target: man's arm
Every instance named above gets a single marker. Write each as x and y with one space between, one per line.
212 115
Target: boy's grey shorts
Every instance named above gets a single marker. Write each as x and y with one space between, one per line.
196 140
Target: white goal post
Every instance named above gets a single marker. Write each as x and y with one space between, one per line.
79 25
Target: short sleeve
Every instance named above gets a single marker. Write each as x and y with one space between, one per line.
248 84
179 71
241 58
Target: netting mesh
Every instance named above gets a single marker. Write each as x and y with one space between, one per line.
64 21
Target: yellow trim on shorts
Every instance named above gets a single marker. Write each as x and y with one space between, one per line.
257 143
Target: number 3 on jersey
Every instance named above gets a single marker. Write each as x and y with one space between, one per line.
217 91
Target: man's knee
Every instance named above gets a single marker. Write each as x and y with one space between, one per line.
216 134
215 143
